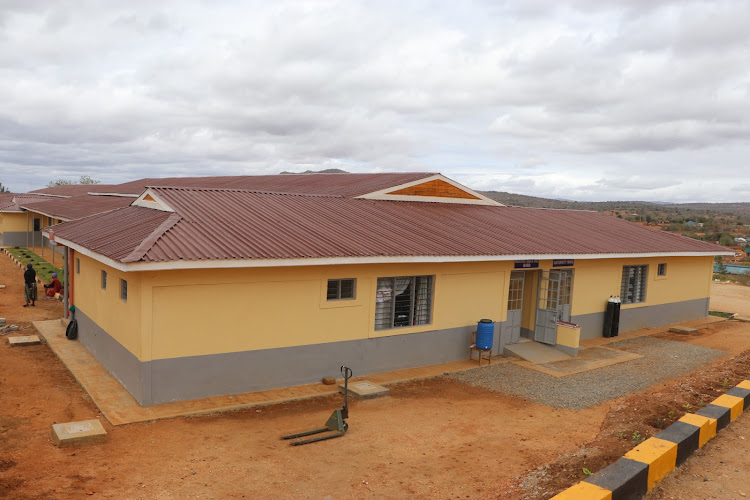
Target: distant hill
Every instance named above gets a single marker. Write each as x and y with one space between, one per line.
697 209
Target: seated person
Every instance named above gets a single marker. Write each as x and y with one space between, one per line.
54 286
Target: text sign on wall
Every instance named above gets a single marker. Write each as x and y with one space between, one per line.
563 263
526 264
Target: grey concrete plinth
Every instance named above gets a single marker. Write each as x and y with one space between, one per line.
365 390
683 329
23 340
83 432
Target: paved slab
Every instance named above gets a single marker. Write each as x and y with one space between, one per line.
536 352
588 359
74 433
744 319
23 340
364 389
686 330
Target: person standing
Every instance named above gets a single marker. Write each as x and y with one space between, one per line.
29 278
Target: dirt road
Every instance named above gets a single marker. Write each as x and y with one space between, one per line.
729 297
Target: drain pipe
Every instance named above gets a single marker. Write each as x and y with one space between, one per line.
66 281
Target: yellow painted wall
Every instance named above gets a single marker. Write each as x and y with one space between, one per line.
196 312
569 337
594 281
122 320
213 311
12 222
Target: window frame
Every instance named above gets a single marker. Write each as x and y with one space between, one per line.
78 265
661 270
639 277
124 290
339 287
104 279
416 318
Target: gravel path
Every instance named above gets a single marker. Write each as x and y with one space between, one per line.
661 359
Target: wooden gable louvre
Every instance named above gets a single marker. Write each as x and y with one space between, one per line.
437 188
148 197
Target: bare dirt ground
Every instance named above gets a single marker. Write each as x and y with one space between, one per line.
729 297
429 439
719 470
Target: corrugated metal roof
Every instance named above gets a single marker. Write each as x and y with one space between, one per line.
10 202
77 206
237 224
71 189
326 184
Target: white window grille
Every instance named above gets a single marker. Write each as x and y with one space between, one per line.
633 289
403 301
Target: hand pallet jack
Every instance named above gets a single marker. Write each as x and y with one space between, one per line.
336 425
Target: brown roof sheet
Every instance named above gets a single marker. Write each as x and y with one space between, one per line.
70 189
327 184
77 206
210 224
10 202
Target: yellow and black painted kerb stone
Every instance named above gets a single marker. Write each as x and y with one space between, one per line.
641 468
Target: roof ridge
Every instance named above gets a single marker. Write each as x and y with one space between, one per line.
255 191
149 241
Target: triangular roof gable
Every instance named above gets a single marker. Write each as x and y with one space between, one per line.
149 199
434 189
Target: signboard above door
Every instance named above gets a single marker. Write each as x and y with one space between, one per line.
526 264
563 263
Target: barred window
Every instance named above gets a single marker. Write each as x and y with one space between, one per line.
633 287
104 280
341 289
662 270
403 301
124 290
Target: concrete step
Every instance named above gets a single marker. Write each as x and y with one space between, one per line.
536 352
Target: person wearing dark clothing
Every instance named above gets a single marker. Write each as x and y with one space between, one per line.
29 289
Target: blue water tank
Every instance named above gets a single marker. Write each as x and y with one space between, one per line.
485 333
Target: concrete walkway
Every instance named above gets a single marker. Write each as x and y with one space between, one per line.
119 407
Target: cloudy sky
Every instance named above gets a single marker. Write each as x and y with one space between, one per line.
585 100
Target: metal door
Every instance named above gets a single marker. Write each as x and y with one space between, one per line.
515 305
553 303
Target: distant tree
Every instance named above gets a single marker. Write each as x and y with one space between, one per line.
4 189
726 239
85 179
58 182
721 268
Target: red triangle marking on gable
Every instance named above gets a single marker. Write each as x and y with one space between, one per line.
148 197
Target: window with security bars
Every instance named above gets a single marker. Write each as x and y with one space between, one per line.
341 289
661 270
403 301
633 289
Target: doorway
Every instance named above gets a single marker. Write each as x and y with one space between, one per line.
553 303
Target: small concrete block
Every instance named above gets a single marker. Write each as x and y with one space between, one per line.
23 340
2 321
2 286
683 329
83 432
365 390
